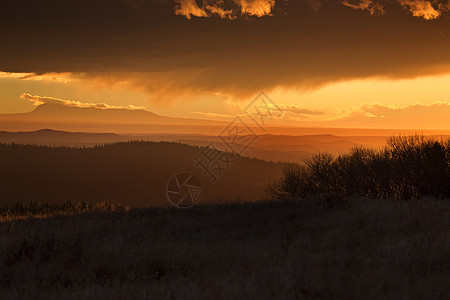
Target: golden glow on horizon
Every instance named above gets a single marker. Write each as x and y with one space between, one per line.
348 102
344 96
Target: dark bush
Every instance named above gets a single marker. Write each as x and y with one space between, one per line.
407 167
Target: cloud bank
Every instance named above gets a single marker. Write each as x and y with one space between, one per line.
143 45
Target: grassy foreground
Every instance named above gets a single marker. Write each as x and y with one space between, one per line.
368 249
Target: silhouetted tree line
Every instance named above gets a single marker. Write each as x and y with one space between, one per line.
407 167
131 173
46 209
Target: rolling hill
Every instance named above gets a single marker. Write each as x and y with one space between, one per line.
267 147
133 173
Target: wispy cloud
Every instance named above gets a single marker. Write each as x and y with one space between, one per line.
298 110
428 10
375 8
415 116
54 77
189 8
39 100
215 115
421 8
257 8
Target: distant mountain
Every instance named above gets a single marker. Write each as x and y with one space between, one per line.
61 113
91 119
142 122
59 138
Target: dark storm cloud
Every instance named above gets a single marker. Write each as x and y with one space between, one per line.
301 44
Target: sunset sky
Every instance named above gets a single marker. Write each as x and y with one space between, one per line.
361 63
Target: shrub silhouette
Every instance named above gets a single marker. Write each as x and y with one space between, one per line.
407 167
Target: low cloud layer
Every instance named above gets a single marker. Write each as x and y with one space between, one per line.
432 116
300 111
39 100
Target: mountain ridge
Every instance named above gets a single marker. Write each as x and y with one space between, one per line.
89 119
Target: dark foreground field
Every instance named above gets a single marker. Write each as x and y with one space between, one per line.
381 249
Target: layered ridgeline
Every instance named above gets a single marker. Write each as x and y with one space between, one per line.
290 148
131 173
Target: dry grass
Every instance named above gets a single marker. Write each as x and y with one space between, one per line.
367 249
35 210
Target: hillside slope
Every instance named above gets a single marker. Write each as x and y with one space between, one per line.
134 173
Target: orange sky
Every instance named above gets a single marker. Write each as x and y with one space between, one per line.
420 103
353 63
